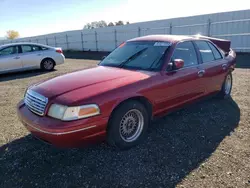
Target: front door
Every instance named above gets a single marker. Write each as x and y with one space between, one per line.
180 86
9 59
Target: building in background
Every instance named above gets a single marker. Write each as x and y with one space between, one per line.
234 26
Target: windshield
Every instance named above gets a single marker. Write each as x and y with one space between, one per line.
137 55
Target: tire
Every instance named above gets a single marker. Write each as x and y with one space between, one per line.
123 121
48 64
226 87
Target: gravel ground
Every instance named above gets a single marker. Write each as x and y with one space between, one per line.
204 145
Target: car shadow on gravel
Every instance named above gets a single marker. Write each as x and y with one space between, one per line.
176 144
21 75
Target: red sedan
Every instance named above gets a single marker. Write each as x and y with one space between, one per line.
143 78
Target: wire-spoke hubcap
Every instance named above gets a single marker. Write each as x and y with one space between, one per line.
131 125
228 84
48 64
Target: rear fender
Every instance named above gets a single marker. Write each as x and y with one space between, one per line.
231 57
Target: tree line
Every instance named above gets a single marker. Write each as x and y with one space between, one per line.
12 34
102 23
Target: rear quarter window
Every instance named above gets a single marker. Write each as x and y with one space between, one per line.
44 48
217 54
36 48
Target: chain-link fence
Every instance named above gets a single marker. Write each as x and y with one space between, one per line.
106 39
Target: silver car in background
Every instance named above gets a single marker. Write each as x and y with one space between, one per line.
26 56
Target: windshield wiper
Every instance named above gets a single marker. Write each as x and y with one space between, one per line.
132 57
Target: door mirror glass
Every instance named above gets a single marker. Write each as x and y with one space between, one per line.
178 64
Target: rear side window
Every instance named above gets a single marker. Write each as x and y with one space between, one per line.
26 48
186 52
215 51
205 51
9 51
30 48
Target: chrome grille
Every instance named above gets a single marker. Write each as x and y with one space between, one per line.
35 102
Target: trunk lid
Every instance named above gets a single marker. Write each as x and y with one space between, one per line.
221 43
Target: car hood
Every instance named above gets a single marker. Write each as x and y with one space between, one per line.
95 80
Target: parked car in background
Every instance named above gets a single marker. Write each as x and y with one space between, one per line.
26 56
143 78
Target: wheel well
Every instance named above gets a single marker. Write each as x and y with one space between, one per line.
143 100
49 59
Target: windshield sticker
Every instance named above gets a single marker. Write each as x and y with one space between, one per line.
162 44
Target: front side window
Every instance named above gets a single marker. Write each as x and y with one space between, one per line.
217 54
138 55
205 51
26 48
186 52
9 51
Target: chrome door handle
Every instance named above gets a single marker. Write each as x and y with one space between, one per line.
224 66
201 73
16 57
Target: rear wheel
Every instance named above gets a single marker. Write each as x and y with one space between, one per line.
128 125
48 64
227 86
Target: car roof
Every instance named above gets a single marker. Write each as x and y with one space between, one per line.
164 38
23 43
221 43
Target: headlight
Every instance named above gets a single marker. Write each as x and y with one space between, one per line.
66 113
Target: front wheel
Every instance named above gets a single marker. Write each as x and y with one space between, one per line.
227 86
128 125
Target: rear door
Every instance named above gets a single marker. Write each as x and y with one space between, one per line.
183 85
31 56
213 64
9 59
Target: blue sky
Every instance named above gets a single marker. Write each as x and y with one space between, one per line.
32 17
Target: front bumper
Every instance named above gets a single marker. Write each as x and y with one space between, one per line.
60 133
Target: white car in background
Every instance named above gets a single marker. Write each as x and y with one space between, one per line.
26 56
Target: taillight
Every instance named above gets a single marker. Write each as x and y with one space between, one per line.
59 51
